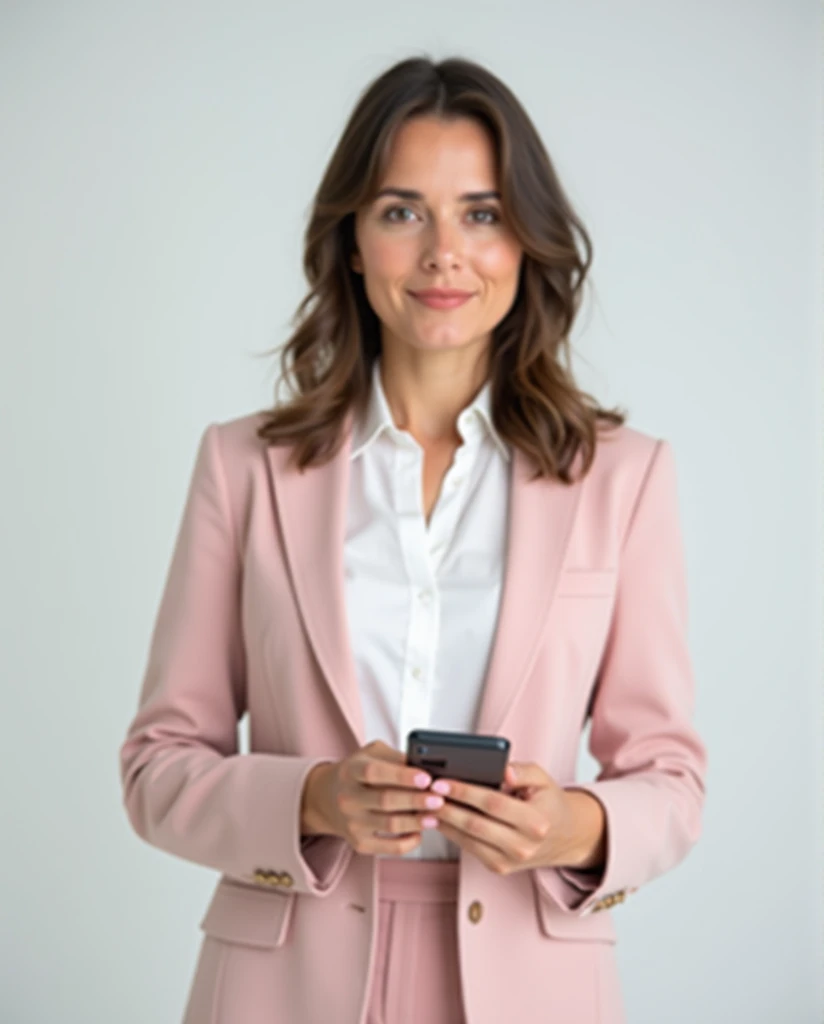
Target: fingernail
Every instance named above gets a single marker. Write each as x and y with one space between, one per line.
422 780
429 822
434 802
441 787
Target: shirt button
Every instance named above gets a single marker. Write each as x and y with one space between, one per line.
425 596
476 911
416 672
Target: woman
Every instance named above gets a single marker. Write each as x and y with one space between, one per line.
439 530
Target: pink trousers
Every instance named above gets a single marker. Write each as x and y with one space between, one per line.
415 976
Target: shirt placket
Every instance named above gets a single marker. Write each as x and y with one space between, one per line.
423 550
424 605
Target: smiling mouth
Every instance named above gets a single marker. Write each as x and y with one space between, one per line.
441 301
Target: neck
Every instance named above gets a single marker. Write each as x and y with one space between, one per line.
426 396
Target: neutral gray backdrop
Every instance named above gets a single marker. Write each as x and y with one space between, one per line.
156 165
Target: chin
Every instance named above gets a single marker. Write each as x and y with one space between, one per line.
443 335
442 344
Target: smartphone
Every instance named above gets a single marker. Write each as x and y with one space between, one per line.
480 760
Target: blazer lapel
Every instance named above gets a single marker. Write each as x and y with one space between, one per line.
541 515
312 510
312 517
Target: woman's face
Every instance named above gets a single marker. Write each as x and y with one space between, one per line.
438 237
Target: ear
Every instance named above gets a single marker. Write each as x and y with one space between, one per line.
355 262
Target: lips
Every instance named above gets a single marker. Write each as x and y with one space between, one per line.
437 298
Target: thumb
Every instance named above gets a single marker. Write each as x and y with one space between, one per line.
381 750
519 773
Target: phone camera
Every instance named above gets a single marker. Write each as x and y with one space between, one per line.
423 750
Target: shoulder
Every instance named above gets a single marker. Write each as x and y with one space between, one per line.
624 449
625 460
238 438
239 457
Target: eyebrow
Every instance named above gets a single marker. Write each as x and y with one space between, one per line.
409 193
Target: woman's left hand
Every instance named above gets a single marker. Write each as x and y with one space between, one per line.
527 823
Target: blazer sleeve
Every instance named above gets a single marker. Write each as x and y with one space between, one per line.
186 788
653 764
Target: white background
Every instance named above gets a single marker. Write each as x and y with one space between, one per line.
157 162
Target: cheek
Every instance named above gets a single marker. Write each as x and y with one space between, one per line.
389 258
499 262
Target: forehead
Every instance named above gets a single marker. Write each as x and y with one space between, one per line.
426 151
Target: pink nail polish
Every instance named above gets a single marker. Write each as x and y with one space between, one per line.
422 780
441 786
429 822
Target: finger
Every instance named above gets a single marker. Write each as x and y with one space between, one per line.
372 844
496 843
398 823
391 799
418 778
377 771
465 799
492 856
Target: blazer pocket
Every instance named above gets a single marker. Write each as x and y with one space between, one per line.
586 582
249 916
555 924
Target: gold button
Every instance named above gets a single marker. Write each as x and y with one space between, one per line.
286 879
476 911
267 877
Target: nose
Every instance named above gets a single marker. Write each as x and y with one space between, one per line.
443 244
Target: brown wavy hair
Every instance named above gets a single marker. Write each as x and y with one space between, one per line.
328 360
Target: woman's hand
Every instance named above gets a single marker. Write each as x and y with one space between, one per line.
371 800
530 822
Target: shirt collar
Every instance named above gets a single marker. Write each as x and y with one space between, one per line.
378 418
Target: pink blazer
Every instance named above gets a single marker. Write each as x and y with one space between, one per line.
252 619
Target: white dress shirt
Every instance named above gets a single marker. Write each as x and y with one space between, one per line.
422 601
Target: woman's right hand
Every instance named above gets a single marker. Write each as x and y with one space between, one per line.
368 794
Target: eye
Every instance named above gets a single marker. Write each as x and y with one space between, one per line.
392 209
488 209
484 211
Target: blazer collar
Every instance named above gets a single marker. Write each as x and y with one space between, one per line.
311 506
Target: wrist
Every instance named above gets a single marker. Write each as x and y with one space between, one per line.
587 847
312 818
